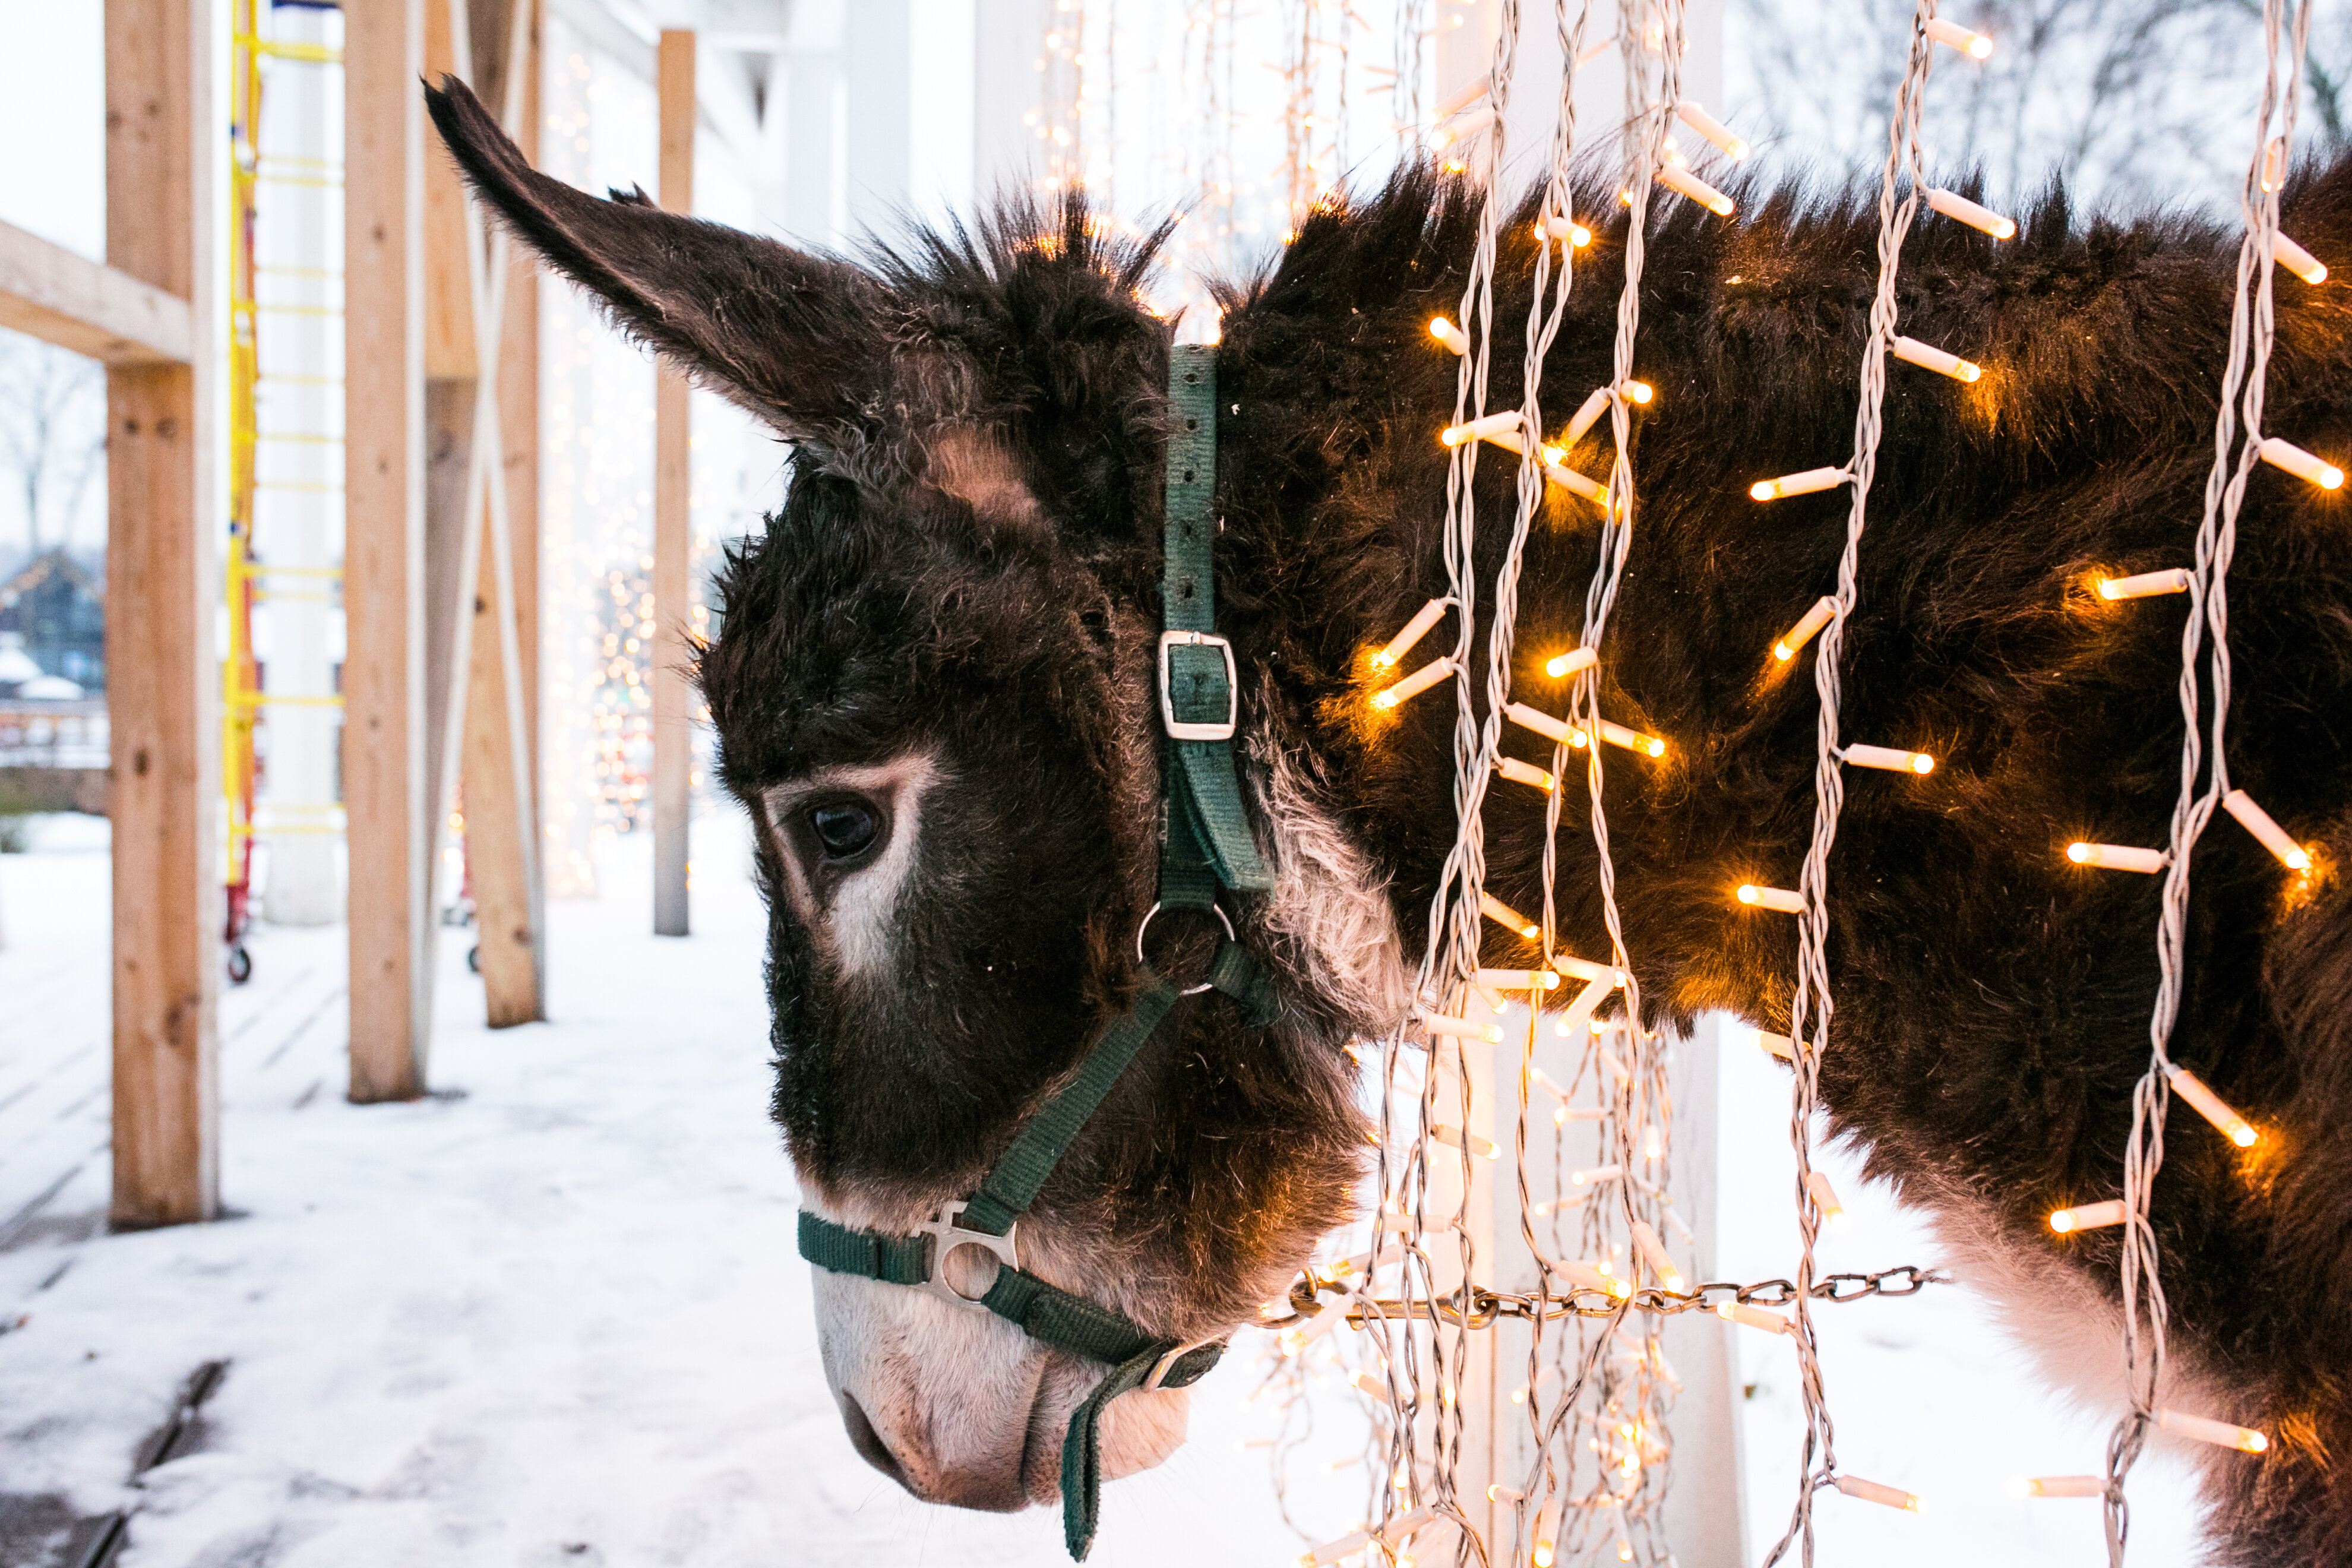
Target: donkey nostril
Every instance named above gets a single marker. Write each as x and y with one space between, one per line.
868 1443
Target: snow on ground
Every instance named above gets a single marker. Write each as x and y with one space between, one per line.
552 1315
1926 1391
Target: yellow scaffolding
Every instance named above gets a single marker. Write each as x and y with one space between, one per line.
242 699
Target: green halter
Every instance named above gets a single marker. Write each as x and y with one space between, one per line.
1205 843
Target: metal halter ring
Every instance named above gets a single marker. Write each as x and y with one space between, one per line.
1222 919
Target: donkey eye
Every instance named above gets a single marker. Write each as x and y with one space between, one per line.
846 827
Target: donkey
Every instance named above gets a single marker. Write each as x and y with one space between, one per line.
934 689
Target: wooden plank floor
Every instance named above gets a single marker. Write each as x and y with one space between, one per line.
282 1036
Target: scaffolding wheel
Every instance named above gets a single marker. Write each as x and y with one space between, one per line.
240 965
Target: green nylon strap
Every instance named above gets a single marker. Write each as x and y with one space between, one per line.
1206 838
1082 1443
895 1260
1013 1184
1050 1314
1187 579
1237 975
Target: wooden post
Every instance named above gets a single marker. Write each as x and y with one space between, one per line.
673 531
519 426
499 719
384 787
162 679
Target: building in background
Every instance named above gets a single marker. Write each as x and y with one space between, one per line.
53 623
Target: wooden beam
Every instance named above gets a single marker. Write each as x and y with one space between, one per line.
519 423
161 589
498 820
384 788
448 295
499 751
673 531
49 292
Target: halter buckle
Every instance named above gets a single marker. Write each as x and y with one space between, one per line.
947 1236
1178 729
1158 1375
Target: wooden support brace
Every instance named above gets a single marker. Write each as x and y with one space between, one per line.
490 722
673 688
500 749
162 679
49 292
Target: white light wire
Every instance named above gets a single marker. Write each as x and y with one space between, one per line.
2236 450
1810 1004
1451 949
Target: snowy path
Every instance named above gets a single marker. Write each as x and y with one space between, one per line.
553 1316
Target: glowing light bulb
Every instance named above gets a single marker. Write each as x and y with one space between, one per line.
2302 465
1976 46
2209 1106
1806 483
1588 413
2116 856
1928 357
1452 336
1888 758
1415 630
1575 233
1631 739
1502 915
2298 261
1573 482
1754 1317
1541 1556
1462 1028
2087 1216
1553 729
1653 1250
1773 1045
1527 773
2220 1434
2261 824
1522 979
2058 1486
1468 1142
1825 1196
1560 666
1502 429
1824 611
1593 1276
1683 183
1780 899
1714 129
1498 1492
1962 210
2171 580
1871 1492
1413 685
1597 1174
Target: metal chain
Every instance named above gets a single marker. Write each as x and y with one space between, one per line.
2236 449
1811 1006
1488 1307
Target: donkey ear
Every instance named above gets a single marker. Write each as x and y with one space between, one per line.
790 336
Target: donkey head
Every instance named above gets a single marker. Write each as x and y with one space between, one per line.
933 688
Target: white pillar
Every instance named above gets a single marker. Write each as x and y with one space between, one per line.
298 502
